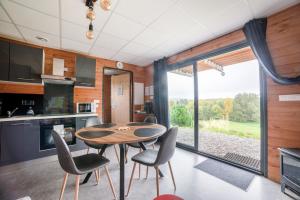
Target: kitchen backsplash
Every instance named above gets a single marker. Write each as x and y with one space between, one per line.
9 102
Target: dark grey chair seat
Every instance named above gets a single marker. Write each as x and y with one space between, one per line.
147 157
87 163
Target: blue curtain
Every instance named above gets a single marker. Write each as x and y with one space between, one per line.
161 92
255 31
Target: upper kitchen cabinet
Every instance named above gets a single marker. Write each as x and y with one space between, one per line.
26 63
4 60
85 71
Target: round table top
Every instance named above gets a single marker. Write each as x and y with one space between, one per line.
113 135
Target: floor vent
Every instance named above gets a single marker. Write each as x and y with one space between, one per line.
243 160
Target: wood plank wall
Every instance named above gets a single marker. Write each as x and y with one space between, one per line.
81 94
283 37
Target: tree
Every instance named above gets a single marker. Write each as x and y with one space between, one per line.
181 116
228 106
245 108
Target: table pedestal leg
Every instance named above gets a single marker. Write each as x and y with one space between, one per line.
122 171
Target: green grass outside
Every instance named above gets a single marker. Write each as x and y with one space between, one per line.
247 129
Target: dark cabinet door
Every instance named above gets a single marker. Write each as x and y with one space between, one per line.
85 71
25 63
19 141
4 60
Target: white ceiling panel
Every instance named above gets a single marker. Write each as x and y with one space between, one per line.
30 18
76 32
111 42
136 48
30 36
3 15
124 57
9 30
49 7
151 38
122 27
141 61
75 12
265 8
75 46
102 52
143 11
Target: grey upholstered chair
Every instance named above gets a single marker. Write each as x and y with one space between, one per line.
155 158
148 119
78 165
93 121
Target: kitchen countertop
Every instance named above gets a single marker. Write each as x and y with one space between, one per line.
26 117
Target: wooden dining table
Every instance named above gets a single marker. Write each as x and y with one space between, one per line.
121 134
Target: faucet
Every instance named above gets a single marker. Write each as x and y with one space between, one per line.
10 113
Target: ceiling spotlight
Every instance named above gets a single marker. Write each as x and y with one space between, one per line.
91 14
41 38
90 33
105 4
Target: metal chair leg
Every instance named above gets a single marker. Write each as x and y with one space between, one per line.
140 166
63 186
171 171
110 182
77 187
153 146
157 181
97 176
117 155
147 172
88 149
130 182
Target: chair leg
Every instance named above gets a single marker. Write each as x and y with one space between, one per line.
140 166
98 151
63 186
77 187
147 172
110 182
171 171
87 151
157 181
97 176
153 146
130 182
117 155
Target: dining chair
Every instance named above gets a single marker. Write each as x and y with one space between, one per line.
93 121
79 165
155 158
148 119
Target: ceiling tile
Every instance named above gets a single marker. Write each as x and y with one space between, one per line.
74 46
9 30
30 36
75 12
102 52
3 15
143 11
142 62
109 41
76 32
124 57
31 19
151 38
265 8
136 48
49 7
122 27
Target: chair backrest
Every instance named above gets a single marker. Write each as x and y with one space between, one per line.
167 146
151 119
93 121
64 155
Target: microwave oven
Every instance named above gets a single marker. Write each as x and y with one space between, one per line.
85 108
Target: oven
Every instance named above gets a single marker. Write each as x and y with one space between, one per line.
66 127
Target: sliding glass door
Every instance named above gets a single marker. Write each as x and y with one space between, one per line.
181 103
216 102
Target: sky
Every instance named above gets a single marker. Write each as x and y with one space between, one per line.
239 78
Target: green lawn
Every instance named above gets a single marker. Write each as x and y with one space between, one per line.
247 129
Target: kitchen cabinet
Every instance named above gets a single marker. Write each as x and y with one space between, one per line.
4 60
80 123
85 71
19 141
26 63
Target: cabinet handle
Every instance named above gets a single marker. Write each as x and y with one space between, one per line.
88 84
19 124
26 79
83 119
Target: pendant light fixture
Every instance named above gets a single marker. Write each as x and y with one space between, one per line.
104 4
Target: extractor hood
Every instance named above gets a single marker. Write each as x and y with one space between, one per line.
58 79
